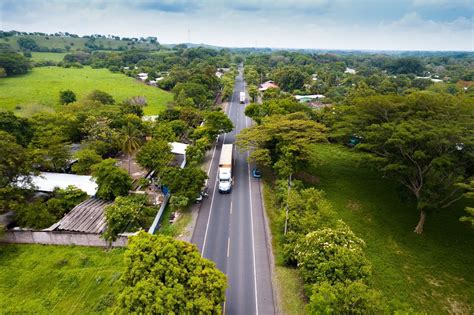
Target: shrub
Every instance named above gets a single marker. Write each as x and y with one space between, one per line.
345 298
332 255
102 97
66 97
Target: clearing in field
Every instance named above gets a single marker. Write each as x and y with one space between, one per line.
38 279
41 86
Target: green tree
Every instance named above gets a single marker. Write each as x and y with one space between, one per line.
282 141
154 155
66 97
290 78
197 92
470 195
41 214
131 141
215 123
102 97
178 203
100 135
164 275
17 126
15 171
112 180
85 159
50 150
27 44
127 213
187 182
13 63
350 297
424 141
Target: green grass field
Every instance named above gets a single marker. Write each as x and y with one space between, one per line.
43 56
42 85
434 272
431 273
37 279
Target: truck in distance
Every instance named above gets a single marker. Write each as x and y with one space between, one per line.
242 97
225 169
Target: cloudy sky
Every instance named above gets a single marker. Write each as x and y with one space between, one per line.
325 24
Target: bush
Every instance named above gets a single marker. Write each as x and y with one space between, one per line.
66 97
102 97
333 255
345 298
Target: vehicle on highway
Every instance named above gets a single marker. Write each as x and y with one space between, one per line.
225 169
242 97
256 173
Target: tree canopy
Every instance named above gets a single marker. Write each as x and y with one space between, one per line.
164 275
424 141
112 180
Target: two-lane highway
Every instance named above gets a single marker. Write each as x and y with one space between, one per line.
230 229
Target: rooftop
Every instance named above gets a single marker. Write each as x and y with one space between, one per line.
87 217
46 181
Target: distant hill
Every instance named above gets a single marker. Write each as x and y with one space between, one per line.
61 42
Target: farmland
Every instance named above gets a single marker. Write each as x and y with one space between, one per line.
58 279
41 86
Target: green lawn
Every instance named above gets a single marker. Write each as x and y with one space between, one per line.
41 86
57 279
434 272
43 56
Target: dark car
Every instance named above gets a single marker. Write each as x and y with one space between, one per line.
256 173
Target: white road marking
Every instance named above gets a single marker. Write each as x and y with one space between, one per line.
214 191
251 224
231 207
253 243
228 247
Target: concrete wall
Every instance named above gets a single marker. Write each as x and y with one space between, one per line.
59 238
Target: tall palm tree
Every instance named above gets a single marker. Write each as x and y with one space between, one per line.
131 141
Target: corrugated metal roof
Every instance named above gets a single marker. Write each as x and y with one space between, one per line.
88 216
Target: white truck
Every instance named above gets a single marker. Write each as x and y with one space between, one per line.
225 169
242 97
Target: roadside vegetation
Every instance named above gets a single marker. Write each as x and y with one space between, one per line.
58 279
342 244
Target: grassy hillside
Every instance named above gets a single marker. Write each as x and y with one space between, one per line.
57 279
42 56
433 272
76 43
41 86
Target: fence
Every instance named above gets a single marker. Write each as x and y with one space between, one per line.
60 238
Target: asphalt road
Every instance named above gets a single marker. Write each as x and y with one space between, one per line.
230 228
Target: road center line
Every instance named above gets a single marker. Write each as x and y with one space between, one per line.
214 191
228 247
